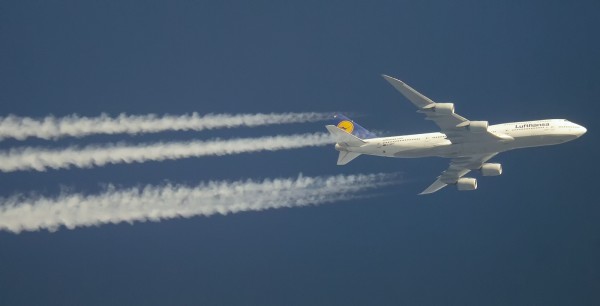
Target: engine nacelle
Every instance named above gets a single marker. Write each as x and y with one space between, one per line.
466 183
444 108
478 126
491 169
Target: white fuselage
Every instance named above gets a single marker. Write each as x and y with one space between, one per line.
525 134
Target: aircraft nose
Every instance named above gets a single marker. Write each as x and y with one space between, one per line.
582 130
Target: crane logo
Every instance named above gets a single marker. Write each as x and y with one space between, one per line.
347 126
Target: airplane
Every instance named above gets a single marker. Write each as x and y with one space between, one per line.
468 144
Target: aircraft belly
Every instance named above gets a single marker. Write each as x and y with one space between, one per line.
474 148
427 150
413 153
450 150
541 140
466 149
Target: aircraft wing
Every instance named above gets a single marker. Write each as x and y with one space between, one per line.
457 128
459 166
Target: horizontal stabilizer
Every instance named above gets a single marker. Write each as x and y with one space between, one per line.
346 157
344 138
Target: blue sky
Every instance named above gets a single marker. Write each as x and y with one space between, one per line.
530 236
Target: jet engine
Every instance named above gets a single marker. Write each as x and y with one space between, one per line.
444 108
478 126
491 169
466 183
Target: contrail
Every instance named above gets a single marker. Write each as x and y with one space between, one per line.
51 127
40 159
155 203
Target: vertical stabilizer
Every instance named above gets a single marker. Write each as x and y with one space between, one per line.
351 127
348 135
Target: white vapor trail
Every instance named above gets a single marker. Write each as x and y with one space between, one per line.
51 127
40 159
155 203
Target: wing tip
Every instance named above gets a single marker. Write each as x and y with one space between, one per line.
437 185
391 79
